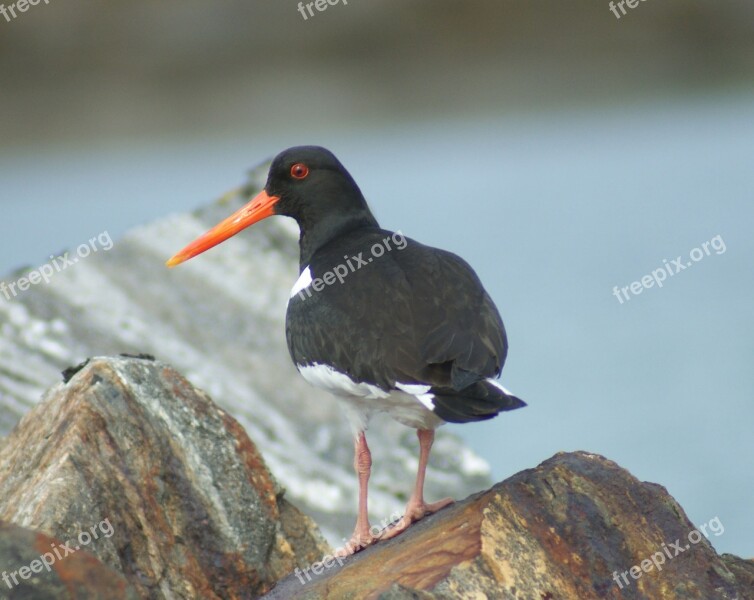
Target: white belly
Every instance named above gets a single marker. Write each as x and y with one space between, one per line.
411 407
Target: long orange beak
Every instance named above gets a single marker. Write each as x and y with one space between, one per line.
259 208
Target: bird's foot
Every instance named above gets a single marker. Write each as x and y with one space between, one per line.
359 540
415 511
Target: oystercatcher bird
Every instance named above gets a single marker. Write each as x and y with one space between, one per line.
384 322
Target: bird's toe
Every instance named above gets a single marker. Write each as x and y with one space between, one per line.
414 512
359 540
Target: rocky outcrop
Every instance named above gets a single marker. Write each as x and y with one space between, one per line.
576 527
132 464
220 322
131 483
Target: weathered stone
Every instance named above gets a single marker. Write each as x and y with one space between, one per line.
560 531
76 576
194 512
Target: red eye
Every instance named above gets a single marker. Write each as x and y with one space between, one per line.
299 171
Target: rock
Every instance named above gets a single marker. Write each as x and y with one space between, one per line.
158 493
220 321
79 575
568 529
131 462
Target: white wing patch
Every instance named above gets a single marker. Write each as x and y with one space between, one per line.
340 384
499 386
362 399
304 281
420 392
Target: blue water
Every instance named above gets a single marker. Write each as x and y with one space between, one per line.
553 211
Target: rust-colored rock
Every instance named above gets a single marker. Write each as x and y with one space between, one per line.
160 494
164 486
25 556
568 529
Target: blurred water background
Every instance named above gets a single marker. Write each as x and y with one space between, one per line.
560 150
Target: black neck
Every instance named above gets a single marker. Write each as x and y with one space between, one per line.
314 237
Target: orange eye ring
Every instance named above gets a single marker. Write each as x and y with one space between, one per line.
299 171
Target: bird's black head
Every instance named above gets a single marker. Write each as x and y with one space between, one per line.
315 189
306 183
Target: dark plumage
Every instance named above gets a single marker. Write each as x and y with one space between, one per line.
416 315
385 322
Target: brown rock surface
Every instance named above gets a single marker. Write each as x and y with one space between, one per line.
161 494
192 510
560 531
79 575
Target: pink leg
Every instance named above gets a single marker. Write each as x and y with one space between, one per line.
362 462
417 508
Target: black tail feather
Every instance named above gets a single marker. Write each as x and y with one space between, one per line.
478 402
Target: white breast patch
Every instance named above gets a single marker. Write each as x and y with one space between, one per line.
304 281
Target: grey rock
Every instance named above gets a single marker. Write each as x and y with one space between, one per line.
131 463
